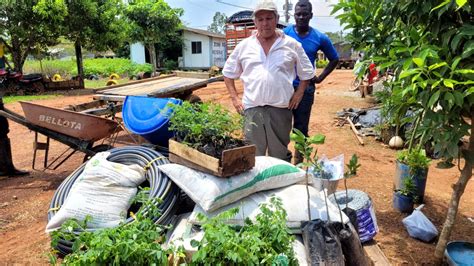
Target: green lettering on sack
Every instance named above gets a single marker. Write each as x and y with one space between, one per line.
276 170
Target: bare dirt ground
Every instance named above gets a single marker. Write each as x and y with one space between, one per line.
24 201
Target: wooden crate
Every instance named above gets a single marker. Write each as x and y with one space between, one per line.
64 85
233 161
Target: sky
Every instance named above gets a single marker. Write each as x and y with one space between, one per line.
199 13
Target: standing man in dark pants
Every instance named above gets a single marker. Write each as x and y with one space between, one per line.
6 163
266 63
312 41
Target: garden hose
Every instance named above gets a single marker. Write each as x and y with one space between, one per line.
161 187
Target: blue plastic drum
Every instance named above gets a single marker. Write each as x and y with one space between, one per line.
460 253
148 117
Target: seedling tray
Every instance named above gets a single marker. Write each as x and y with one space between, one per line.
233 161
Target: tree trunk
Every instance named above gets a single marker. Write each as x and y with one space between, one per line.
15 50
458 190
151 50
80 67
19 52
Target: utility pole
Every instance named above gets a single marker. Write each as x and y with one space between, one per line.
286 7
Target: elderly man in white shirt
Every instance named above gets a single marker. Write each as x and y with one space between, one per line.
267 63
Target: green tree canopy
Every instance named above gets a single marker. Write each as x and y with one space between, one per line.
93 24
430 46
25 29
153 23
218 23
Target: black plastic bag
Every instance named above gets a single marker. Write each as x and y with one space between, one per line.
350 244
352 214
322 243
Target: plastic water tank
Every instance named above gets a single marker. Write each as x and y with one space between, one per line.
149 117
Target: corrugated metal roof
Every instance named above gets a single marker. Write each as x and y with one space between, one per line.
241 16
205 32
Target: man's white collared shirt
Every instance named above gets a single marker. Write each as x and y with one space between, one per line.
268 79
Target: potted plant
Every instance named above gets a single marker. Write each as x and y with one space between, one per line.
209 138
311 162
412 165
404 197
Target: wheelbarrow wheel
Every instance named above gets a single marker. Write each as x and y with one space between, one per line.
97 149
356 84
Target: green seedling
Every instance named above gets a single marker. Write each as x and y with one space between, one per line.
208 127
264 242
304 145
138 243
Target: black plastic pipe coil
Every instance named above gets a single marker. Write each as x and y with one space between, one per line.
161 187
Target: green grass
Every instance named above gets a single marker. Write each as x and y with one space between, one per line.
93 84
12 99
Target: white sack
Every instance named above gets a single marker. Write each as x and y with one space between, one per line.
294 199
212 192
104 191
182 235
300 251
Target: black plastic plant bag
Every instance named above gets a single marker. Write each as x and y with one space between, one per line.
352 214
350 244
322 243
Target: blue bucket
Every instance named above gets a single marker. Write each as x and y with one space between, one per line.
402 171
402 203
460 253
148 117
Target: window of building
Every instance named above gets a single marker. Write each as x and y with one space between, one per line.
196 47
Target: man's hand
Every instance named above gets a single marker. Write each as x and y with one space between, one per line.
238 105
298 95
236 101
316 80
326 71
296 99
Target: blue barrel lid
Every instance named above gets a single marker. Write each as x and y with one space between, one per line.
143 115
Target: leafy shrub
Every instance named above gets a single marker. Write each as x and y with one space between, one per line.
107 66
136 243
95 66
408 189
321 63
170 64
416 158
264 242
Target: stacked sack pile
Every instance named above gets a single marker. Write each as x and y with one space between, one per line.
270 176
104 187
